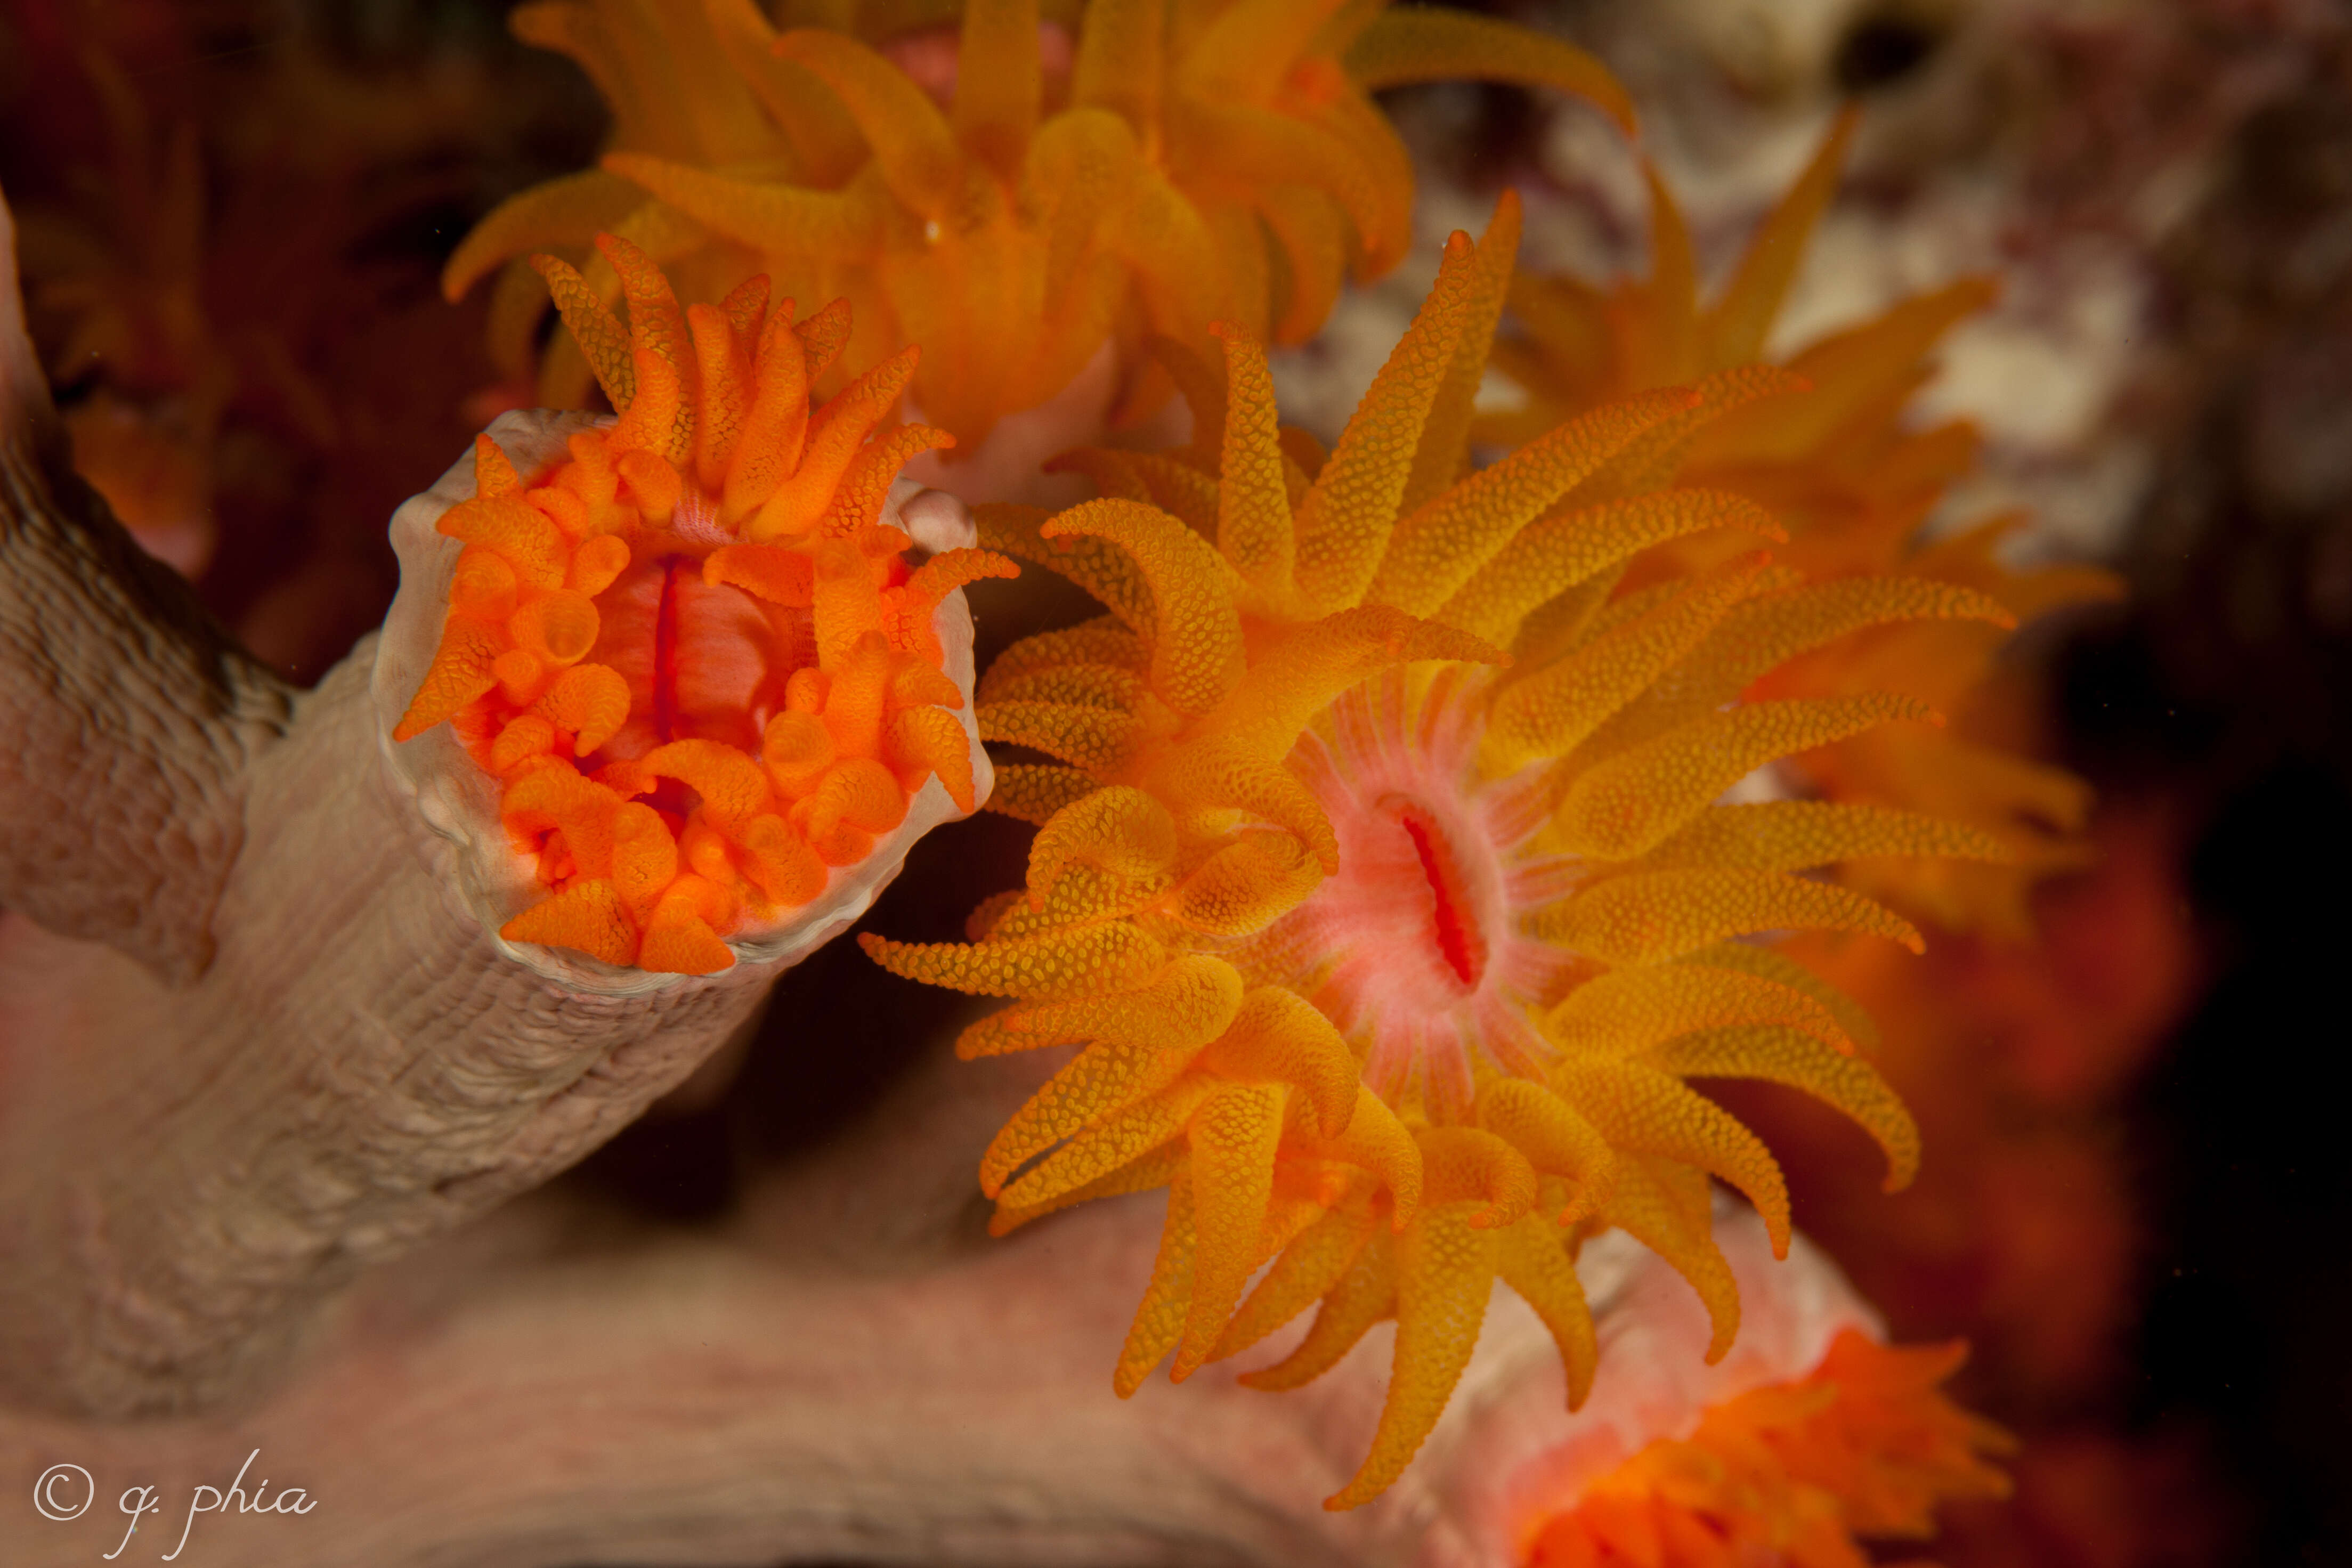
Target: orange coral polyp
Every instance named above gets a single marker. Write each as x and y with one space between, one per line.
1176 162
1864 1447
1296 826
639 641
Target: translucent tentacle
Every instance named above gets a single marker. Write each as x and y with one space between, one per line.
1279 1037
1441 546
1344 523
1798 1059
1365 1295
1445 1269
1552 1138
1646 1111
1406 46
1531 1259
1559 552
1669 1209
1196 647
997 81
1233 1137
1629 803
1159 1318
1254 520
1650 917
912 142
1547 713
1110 957
1309 1268
1791 835
1628 1011
770 216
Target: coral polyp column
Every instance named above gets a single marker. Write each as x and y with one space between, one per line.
255 1029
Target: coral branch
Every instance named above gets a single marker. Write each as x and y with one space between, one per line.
129 715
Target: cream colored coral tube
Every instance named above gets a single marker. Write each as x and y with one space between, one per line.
255 1029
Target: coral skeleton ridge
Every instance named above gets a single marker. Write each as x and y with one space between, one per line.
1383 869
1854 485
1014 195
692 653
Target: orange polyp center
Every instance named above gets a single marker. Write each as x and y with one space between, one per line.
1455 921
1418 956
703 661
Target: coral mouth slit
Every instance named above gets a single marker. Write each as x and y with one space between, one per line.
1455 922
665 670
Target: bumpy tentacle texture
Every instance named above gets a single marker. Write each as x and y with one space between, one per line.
692 655
1866 1446
1835 461
1388 954
1164 163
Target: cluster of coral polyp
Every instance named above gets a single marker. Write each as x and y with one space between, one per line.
1011 207
1865 1445
1853 483
1389 871
692 653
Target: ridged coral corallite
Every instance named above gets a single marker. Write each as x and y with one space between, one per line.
1163 164
1382 870
1852 482
1801 1472
690 652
